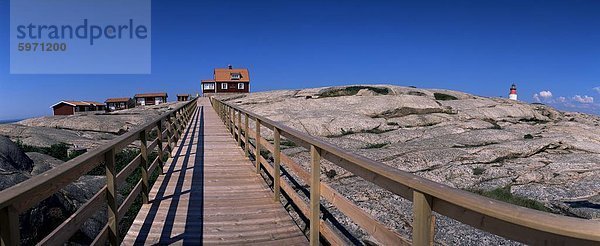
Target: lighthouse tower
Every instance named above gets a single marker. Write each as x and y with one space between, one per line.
513 92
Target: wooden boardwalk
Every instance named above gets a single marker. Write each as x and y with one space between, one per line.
210 194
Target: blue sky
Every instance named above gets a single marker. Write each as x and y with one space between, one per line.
480 47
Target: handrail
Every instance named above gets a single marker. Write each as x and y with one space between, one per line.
497 217
24 195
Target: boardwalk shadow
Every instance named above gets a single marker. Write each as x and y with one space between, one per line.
193 220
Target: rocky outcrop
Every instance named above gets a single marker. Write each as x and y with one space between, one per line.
462 140
17 166
14 164
116 122
86 130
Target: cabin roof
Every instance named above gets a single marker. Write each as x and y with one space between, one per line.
224 74
155 94
117 99
78 103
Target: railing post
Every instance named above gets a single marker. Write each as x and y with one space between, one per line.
184 114
9 226
315 194
233 126
239 127
422 219
174 128
220 108
276 163
231 121
246 146
169 135
227 118
257 149
222 111
159 140
111 197
179 124
144 165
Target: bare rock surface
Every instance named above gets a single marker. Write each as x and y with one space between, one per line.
42 162
15 165
116 122
461 140
85 130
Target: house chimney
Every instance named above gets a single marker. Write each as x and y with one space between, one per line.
229 66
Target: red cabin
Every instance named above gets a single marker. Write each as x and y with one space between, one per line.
72 107
227 80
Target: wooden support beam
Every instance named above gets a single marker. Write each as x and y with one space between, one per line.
422 218
144 166
9 226
315 194
228 118
159 137
169 136
246 133
111 197
257 153
276 164
177 125
239 128
232 121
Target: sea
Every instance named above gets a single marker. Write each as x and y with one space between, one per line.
9 121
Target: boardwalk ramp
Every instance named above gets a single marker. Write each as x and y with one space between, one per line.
210 194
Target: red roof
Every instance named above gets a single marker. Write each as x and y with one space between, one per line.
157 94
79 103
95 103
117 99
225 74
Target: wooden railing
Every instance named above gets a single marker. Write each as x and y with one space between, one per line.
25 195
497 217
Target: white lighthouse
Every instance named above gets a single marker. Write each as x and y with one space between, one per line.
513 92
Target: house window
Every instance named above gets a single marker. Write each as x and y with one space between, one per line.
235 76
209 86
240 86
224 86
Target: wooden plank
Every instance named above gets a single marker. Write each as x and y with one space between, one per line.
111 198
9 226
128 170
246 132
126 204
101 237
315 195
276 165
144 166
257 145
153 165
421 232
153 145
